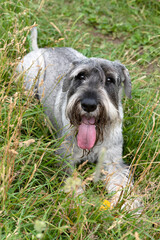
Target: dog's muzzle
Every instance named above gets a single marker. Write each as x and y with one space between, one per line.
89 114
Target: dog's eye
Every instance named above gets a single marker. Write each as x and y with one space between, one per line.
81 76
109 80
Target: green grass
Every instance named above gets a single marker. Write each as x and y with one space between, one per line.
31 176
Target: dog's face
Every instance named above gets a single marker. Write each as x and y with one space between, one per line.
94 89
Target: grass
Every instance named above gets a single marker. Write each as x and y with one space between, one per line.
33 205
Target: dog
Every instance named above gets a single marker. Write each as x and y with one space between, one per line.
82 98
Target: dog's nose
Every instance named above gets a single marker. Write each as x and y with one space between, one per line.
89 104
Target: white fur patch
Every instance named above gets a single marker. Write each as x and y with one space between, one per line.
110 108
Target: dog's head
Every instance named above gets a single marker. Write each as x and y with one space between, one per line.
94 95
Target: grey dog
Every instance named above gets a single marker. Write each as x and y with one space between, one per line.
82 98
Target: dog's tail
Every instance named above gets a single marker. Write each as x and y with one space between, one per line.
34 39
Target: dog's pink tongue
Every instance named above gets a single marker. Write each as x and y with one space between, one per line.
87 133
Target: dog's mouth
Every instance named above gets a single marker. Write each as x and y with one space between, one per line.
91 127
86 136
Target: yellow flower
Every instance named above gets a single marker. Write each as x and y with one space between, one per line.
105 205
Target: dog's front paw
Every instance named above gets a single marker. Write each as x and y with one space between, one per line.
130 203
134 203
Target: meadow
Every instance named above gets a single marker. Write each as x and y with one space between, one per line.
33 203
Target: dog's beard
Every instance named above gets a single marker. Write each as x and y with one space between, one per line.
89 127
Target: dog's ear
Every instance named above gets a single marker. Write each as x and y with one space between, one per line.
67 78
125 78
66 81
127 82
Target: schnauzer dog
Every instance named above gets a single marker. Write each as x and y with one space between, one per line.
82 98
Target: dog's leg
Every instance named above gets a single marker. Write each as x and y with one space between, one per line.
116 176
